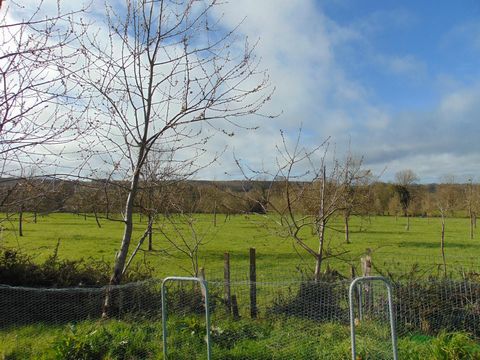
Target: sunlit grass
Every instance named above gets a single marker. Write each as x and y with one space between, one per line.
393 247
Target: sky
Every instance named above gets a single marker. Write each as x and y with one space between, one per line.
397 83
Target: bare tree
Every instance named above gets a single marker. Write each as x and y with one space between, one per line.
185 233
404 180
446 199
308 190
471 204
163 72
356 185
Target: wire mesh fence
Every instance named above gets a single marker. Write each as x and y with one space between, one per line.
277 319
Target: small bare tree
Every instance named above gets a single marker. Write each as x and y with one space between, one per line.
185 233
356 184
471 204
404 180
308 190
446 200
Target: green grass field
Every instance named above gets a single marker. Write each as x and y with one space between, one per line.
267 338
393 248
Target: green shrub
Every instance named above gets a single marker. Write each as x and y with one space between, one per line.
321 301
437 305
76 345
228 334
113 340
19 269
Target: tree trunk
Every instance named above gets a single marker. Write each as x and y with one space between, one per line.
121 255
215 214
20 222
96 218
318 262
471 225
347 229
150 240
321 228
407 226
442 246
35 217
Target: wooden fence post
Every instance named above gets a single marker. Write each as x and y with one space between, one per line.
201 273
367 263
253 284
367 271
226 278
235 312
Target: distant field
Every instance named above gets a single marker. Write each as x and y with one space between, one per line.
393 247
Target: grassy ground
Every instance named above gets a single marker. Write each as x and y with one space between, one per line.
286 339
394 248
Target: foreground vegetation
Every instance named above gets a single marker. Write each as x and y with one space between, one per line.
244 339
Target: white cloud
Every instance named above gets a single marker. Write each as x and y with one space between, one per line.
466 34
297 46
407 65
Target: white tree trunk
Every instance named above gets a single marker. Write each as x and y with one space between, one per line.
121 256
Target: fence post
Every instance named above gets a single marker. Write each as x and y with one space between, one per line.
226 278
236 313
253 284
367 287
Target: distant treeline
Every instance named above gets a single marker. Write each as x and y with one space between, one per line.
106 198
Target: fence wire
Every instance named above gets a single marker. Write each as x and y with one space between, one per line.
287 319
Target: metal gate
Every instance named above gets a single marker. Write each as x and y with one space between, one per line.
351 295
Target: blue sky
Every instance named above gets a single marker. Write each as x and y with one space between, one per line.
397 80
431 41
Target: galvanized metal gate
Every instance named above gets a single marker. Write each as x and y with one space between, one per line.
351 297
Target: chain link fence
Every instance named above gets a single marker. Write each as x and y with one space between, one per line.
277 319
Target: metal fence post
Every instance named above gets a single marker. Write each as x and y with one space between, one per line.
393 330
204 285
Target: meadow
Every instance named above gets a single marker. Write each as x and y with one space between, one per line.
271 336
393 248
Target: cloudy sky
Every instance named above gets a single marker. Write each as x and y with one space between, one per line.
398 81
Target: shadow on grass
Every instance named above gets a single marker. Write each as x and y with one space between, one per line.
434 245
